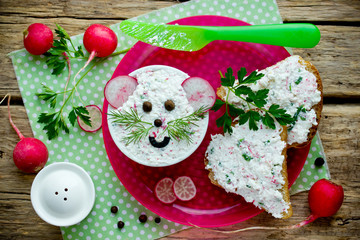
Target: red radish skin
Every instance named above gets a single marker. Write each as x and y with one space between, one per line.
99 41
325 198
38 38
30 154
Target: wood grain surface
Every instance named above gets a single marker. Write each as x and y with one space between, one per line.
337 58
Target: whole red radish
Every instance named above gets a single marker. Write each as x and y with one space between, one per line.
38 38
100 40
30 154
325 198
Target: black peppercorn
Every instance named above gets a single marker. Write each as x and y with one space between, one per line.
143 218
319 162
147 106
114 209
157 123
120 224
157 219
169 105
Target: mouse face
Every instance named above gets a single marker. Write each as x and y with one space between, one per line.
165 123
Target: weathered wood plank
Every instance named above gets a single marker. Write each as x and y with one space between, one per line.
336 56
323 11
306 10
340 134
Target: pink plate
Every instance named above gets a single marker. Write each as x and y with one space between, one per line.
212 206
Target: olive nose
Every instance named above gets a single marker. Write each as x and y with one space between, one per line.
157 123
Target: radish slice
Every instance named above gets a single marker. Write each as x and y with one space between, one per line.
199 92
164 190
118 90
184 188
95 118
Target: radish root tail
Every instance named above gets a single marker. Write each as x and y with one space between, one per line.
11 121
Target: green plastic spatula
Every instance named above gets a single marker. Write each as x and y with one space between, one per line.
193 38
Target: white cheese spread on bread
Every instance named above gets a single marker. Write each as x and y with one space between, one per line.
250 163
295 89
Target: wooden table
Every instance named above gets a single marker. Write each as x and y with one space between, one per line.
337 58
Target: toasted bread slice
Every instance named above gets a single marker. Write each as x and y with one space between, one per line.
311 76
226 153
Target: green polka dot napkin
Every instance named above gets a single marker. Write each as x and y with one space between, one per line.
87 149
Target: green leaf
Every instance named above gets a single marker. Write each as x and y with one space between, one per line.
280 115
252 78
217 105
82 109
46 117
83 114
63 125
243 118
276 111
229 79
254 117
72 116
243 90
241 74
225 122
258 97
233 111
268 121
61 32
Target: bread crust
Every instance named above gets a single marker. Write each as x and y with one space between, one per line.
317 108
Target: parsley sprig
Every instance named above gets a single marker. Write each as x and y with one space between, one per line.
178 129
255 101
57 57
57 120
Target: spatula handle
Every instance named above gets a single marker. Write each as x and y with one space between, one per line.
298 35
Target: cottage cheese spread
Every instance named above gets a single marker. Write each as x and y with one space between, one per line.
293 88
249 163
157 84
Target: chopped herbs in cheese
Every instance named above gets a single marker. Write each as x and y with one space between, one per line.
249 167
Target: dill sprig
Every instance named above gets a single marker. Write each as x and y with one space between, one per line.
178 129
131 120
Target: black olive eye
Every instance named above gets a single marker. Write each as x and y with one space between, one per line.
147 106
169 105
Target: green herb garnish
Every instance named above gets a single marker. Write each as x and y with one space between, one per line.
299 80
56 121
247 157
296 116
56 56
178 129
255 101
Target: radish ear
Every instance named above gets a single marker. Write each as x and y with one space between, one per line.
118 90
199 92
